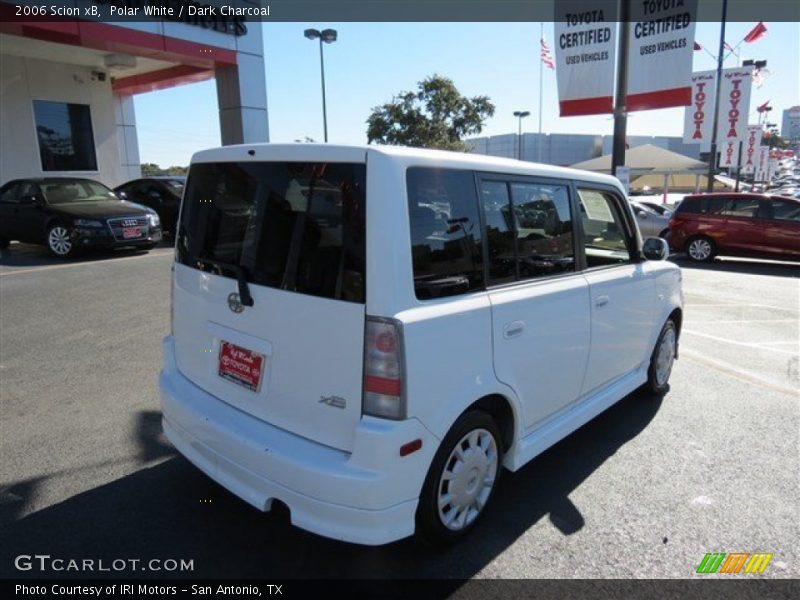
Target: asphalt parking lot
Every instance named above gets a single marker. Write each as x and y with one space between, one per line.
644 490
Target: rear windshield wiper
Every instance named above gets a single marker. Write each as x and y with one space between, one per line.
241 278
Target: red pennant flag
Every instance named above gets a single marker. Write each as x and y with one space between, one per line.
763 107
727 46
756 33
697 46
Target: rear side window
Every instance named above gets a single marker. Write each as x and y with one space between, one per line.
740 207
785 210
292 226
445 232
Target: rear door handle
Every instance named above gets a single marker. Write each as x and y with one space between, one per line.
513 329
601 300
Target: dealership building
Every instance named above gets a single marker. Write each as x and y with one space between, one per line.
67 87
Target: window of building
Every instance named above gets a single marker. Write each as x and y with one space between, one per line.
66 140
604 233
445 232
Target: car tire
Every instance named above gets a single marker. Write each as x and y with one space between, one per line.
701 249
662 359
457 476
58 241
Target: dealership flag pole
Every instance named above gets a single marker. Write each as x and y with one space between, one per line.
541 70
620 111
712 155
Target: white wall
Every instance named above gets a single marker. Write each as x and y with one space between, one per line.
23 80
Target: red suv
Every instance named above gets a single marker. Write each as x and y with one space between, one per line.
755 225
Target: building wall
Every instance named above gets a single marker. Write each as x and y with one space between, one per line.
23 80
565 149
790 127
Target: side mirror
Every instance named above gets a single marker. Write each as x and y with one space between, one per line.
655 249
642 214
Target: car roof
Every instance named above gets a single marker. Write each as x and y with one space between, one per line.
408 156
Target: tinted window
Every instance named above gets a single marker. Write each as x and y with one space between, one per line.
500 232
707 206
604 235
445 232
785 211
740 207
9 193
66 141
292 226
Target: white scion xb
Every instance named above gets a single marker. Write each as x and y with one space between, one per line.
369 335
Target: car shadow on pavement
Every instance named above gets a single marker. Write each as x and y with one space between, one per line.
745 267
172 510
30 255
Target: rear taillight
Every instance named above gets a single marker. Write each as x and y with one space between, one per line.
383 369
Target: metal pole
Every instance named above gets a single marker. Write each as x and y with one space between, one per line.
519 139
712 156
620 110
738 167
324 109
541 64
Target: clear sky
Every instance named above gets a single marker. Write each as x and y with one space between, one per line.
371 62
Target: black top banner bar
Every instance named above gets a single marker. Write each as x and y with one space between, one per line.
112 11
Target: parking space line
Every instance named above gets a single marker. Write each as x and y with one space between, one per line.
84 264
739 373
738 343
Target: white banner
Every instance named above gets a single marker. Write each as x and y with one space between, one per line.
699 115
772 168
752 143
729 153
586 42
761 164
734 104
734 107
660 56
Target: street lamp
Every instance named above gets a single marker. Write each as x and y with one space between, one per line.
520 114
328 36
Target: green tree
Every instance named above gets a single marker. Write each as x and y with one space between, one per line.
434 116
150 169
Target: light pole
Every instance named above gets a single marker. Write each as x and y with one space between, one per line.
520 114
328 36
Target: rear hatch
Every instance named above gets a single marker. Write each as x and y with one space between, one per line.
291 235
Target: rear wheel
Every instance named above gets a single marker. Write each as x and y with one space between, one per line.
701 249
461 480
59 242
663 359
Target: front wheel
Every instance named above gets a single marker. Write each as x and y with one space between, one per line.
461 480
663 359
701 249
59 242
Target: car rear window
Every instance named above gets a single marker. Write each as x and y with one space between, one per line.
294 226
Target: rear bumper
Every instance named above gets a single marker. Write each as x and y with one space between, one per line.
368 496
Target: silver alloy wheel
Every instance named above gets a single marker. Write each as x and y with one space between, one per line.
665 357
700 249
58 240
467 479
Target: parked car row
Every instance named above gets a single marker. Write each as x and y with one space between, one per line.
67 214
